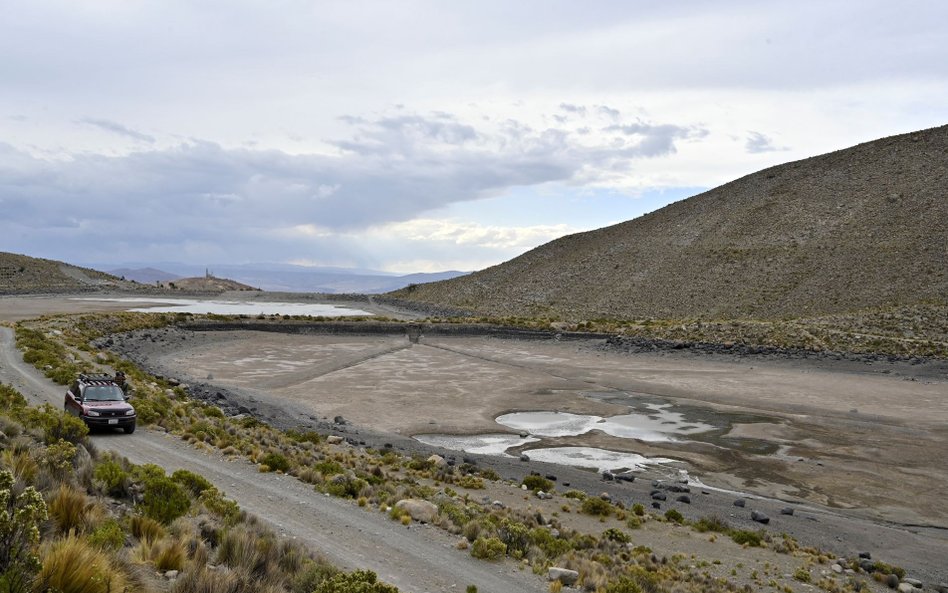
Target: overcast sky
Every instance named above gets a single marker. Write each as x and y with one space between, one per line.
422 136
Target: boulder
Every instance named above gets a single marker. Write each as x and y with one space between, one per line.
334 439
891 581
608 476
914 582
787 511
760 517
564 575
835 567
905 588
524 457
659 496
865 555
684 498
739 502
419 510
437 461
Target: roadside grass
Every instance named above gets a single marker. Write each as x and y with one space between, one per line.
376 479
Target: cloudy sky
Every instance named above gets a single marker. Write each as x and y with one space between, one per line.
421 136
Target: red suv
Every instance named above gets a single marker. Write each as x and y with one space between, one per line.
101 403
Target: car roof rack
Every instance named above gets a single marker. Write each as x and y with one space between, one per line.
97 378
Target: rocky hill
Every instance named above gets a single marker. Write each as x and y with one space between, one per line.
206 284
21 274
862 227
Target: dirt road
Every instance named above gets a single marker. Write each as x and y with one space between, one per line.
416 559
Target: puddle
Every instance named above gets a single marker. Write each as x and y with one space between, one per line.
657 423
599 459
218 307
483 444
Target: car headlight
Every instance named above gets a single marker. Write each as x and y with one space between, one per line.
92 413
130 412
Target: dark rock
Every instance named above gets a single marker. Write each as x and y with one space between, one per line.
740 502
786 511
339 420
866 555
684 498
760 517
608 476
550 477
524 457
659 496
626 478
891 581
867 565
677 488
656 505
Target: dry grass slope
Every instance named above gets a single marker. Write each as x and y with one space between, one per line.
858 228
21 274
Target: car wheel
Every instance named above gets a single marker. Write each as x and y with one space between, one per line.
129 429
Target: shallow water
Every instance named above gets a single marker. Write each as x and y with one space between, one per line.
598 459
658 424
483 444
200 306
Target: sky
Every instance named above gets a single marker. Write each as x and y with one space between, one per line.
419 136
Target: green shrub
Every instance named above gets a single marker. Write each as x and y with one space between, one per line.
55 424
674 516
623 585
551 546
108 536
112 477
593 505
311 575
195 484
214 501
616 535
328 467
164 500
537 483
69 509
488 548
576 494
146 529
712 523
360 581
10 398
515 535
750 538
20 518
639 509
276 462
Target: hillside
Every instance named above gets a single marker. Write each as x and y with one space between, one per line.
862 227
206 284
21 274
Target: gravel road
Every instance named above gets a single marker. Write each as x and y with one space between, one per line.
416 559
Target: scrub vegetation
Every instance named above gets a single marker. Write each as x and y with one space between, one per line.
121 524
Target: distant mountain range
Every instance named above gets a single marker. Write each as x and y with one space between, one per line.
858 228
279 277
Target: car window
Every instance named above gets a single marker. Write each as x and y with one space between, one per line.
103 393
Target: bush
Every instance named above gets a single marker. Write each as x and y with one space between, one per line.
10 398
639 509
164 500
311 575
20 517
360 581
537 483
488 548
56 425
712 523
224 508
616 535
194 483
108 536
593 505
674 516
111 477
276 462
623 585
750 538
72 565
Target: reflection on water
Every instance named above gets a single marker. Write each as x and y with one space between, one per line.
658 424
483 444
218 307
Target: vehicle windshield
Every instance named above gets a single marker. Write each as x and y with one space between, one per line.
103 393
